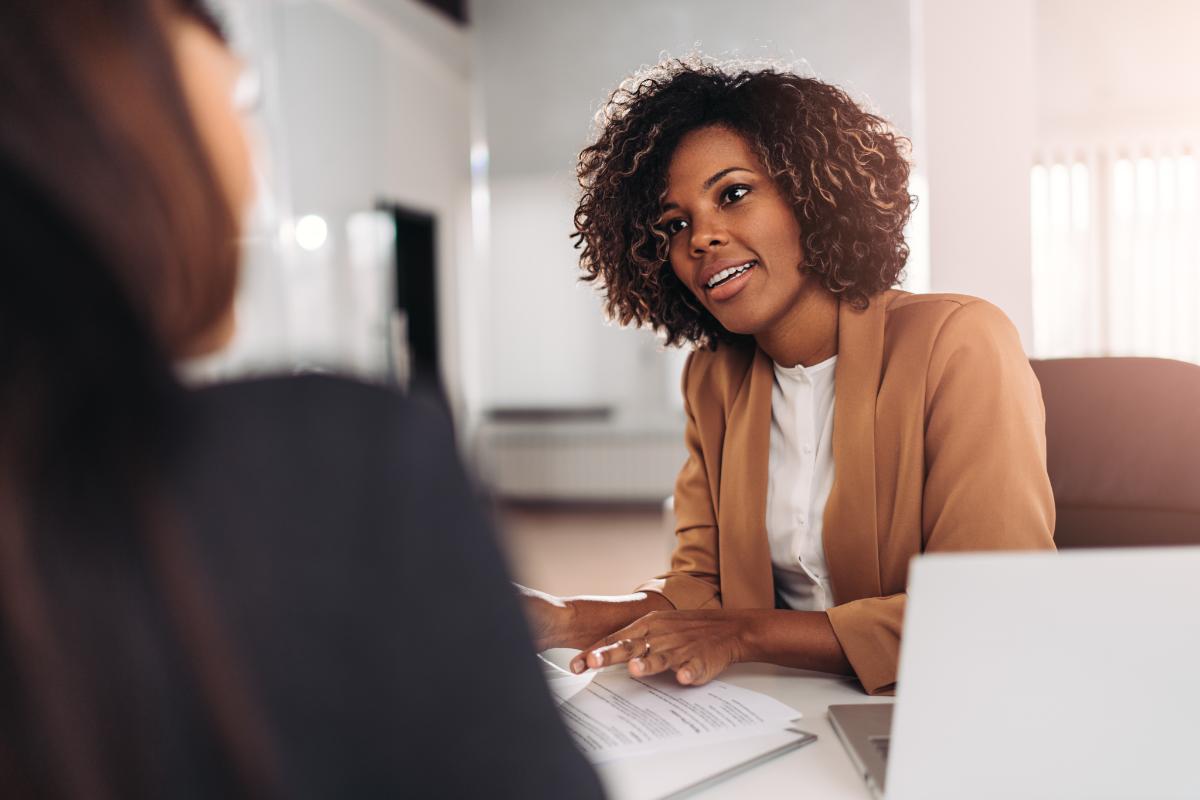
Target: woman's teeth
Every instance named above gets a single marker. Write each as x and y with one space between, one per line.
726 274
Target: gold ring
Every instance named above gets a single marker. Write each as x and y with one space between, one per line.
645 652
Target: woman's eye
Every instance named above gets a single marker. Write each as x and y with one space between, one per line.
674 226
735 193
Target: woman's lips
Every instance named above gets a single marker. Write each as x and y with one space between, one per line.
732 285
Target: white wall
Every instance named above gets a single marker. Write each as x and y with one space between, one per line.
1111 62
544 67
973 64
365 100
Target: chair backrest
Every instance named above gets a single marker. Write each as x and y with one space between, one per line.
1123 450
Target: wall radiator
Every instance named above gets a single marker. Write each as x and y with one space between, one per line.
580 462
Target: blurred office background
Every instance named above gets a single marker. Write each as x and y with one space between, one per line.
417 190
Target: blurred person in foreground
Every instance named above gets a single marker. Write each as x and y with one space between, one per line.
225 592
836 426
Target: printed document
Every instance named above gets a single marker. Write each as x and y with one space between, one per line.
615 715
563 684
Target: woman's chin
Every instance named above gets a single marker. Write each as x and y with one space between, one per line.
739 325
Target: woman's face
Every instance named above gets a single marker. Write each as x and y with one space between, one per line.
209 73
734 240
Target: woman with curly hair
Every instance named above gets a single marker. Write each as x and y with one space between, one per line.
836 426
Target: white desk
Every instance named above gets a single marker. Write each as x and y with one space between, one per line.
819 770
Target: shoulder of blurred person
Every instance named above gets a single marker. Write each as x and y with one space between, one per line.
280 587
362 586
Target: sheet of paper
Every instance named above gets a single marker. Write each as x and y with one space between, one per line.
563 684
656 776
617 716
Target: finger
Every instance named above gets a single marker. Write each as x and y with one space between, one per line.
618 652
666 652
654 663
579 663
585 658
618 647
695 672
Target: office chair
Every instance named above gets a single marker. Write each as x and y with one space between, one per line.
1123 450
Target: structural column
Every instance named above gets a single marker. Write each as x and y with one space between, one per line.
973 139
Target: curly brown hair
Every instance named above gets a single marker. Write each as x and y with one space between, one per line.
844 170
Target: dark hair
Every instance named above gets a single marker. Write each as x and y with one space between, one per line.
119 249
843 169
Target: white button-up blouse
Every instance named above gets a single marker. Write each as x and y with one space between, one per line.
800 475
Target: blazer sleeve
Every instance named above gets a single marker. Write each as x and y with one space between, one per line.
986 486
694 577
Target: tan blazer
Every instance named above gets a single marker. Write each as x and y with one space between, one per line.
939 444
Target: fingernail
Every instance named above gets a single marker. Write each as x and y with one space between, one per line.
636 665
577 667
685 676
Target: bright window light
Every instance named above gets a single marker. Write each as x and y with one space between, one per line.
1116 250
311 232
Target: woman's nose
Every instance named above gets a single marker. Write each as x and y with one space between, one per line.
707 234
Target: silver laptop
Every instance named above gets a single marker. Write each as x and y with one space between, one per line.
1041 675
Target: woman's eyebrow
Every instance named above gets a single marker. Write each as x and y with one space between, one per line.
708 184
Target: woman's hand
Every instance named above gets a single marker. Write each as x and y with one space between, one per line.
577 621
550 618
696 645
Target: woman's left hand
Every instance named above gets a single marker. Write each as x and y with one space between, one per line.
696 645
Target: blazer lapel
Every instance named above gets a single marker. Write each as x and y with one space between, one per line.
745 555
850 537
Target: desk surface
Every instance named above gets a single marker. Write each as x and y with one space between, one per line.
821 769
